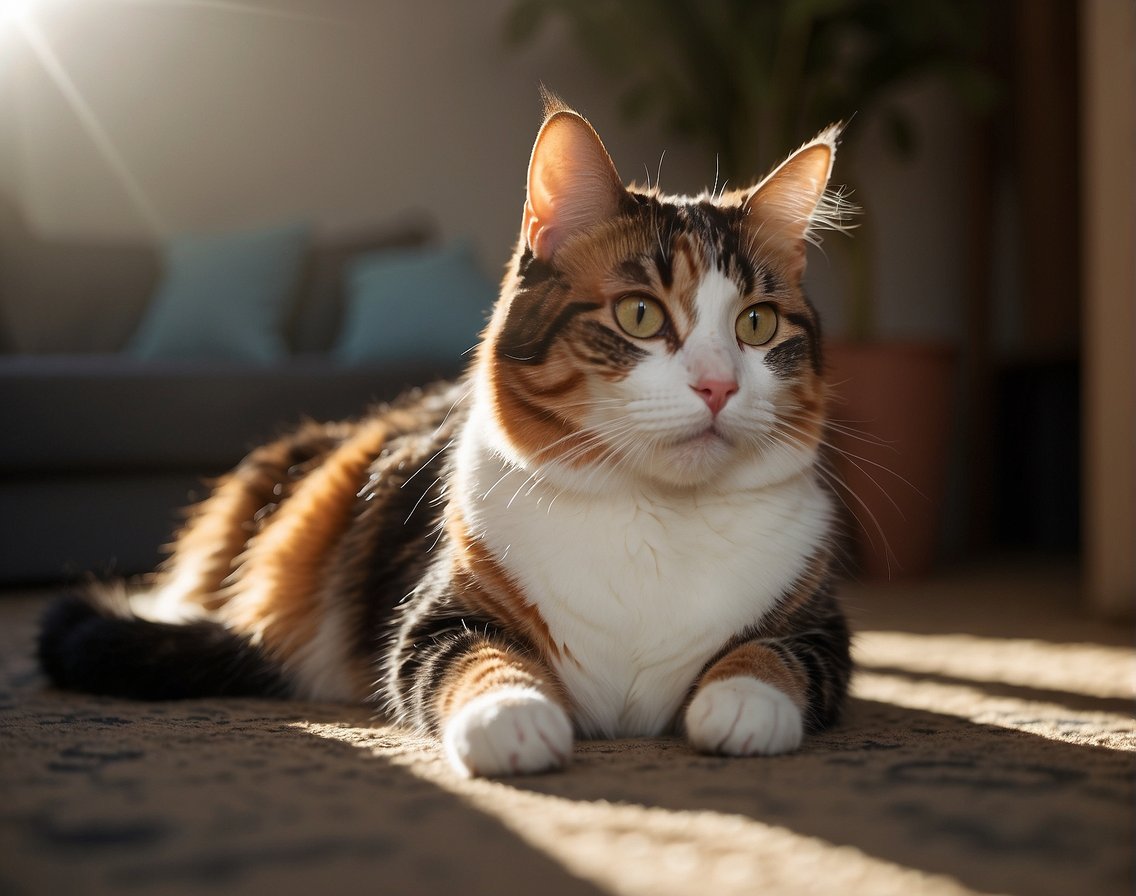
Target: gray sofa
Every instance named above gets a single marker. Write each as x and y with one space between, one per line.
100 452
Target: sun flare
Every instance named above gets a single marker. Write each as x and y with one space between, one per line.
14 10
26 21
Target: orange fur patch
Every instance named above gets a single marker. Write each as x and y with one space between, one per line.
488 668
754 660
279 596
205 553
526 410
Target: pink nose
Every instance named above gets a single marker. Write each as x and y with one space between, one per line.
715 393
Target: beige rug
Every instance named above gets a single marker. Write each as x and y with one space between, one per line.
988 749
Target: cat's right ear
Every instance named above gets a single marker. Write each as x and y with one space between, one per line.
572 183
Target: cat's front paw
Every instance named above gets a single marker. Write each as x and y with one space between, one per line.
509 731
743 716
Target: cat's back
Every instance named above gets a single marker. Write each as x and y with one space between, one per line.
306 547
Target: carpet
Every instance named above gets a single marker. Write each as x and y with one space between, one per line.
988 748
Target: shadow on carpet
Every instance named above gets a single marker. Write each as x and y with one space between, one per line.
966 764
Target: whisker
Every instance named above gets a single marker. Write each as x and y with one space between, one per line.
433 457
457 401
862 436
420 499
853 458
840 487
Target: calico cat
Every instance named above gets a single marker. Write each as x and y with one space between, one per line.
614 525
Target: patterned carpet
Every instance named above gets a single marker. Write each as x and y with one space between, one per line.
988 749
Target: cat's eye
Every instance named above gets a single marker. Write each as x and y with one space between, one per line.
757 324
640 316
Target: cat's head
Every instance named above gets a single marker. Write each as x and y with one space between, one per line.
643 337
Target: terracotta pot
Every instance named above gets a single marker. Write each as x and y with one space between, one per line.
891 406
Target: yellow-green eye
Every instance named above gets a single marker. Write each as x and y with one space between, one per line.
640 316
757 324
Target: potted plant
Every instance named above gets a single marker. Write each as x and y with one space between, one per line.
753 78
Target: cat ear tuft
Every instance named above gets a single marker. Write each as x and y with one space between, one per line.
572 183
551 103
786 209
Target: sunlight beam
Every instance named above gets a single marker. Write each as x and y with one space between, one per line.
90 122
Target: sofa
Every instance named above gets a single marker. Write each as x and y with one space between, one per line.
102 448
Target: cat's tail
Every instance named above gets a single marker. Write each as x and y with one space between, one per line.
94 642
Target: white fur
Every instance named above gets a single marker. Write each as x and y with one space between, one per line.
169 603
639 591
645 564
743 717
513 730
321 666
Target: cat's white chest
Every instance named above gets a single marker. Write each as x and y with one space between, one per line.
639 594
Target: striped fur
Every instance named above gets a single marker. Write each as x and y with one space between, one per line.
593 532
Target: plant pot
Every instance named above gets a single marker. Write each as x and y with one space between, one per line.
891 405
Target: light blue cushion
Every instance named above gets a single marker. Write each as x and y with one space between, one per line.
415 304
224 296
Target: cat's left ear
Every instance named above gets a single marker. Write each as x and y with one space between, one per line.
572 183
790 202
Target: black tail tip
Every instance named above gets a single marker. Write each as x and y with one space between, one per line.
64 626
93 642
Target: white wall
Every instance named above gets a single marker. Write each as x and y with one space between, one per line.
350 111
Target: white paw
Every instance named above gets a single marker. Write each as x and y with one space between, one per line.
510 731
743 717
